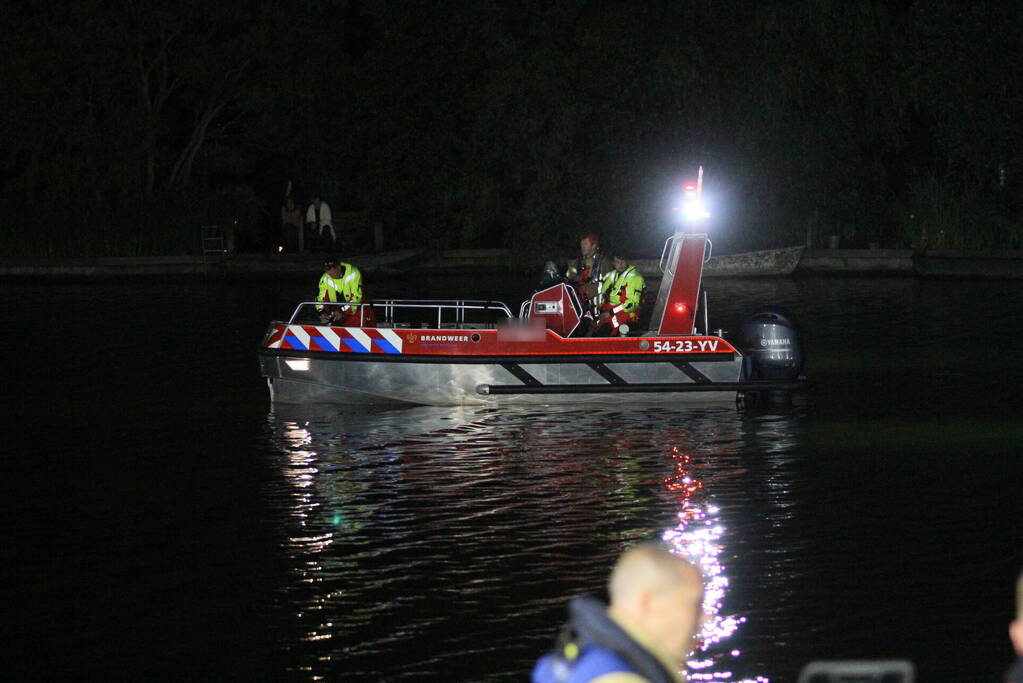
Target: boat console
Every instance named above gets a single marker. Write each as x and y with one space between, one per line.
558 307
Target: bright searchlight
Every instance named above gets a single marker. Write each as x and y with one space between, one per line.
693 208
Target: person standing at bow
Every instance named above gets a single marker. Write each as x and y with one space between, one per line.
341 283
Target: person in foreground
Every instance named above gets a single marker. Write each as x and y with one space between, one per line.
342 282
1015 672
655 612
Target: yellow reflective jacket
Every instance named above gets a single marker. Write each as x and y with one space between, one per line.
348 287
624 289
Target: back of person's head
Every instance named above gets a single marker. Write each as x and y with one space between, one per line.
647 566
659 592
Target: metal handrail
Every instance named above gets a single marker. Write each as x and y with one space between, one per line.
460 306
664 252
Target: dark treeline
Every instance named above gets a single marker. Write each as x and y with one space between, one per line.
128 124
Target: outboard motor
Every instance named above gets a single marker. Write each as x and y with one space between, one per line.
769 340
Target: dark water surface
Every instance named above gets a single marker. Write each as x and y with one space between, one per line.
164 522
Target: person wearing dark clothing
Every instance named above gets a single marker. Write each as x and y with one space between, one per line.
551 276
1015 672
594 646
291 224
586 273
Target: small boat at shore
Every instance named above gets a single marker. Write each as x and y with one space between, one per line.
763 263
767 262
465 352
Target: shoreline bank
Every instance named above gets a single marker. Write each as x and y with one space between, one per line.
946 263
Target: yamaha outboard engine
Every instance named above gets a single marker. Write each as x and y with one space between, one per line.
769 341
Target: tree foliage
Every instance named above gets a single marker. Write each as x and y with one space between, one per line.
129 122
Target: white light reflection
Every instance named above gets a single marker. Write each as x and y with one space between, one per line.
301 473
697 538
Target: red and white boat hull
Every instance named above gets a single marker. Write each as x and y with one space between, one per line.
315 363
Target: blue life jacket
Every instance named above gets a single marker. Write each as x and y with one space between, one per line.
593 662
594 645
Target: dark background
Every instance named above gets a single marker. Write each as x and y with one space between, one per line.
127 124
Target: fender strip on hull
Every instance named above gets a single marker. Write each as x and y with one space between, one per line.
643 388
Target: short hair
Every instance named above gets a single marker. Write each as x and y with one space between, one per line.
615 250
651 563
591 236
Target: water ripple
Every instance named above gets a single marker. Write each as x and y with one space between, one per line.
436 532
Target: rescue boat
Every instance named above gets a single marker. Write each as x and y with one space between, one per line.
465 352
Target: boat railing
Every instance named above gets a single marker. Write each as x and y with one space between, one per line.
388 309
708 251
665 253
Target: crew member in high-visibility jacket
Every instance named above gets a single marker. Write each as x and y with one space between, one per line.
342 283
622 294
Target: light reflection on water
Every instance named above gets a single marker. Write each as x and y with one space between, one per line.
420 538
698 537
